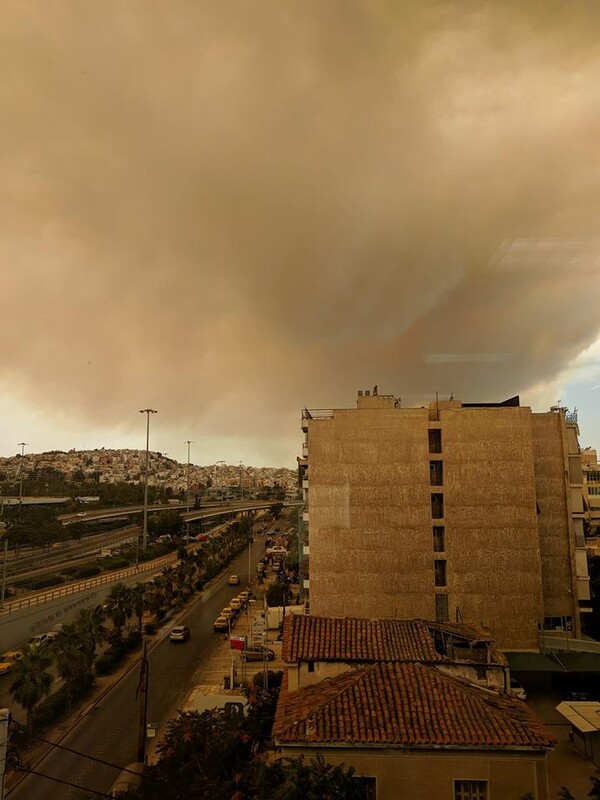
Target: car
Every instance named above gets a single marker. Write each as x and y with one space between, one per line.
258 653
180 633
517 690
39 640
230 612
81 514
234 580
236 604
221 624
9 659
245 595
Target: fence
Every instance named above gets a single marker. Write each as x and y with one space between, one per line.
74 588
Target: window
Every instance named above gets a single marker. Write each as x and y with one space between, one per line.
439 539
368 788
440 573
435 441
311 666
437 506
470 790
441 608
558 623
436 475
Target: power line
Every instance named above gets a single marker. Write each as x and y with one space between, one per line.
65 783
78 753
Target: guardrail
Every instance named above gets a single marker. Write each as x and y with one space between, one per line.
564 644
81 586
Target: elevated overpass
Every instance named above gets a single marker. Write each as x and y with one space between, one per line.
207 510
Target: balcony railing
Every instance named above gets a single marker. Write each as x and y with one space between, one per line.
317 413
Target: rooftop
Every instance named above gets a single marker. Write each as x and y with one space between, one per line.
405 705
349 639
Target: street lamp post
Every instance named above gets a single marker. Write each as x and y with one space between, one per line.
187 488
241 484
147 412
22 445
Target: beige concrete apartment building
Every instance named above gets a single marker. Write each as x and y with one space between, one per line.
453 511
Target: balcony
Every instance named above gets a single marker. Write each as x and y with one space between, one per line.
305 449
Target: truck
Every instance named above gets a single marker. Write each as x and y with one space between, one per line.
106 552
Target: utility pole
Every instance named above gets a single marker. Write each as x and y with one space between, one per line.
4 723
142 695
147 412
241 484
3 535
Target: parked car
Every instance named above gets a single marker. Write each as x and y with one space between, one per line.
258 653
234 580
236 604
229 611
221 624
39 640
517 690
8 660
180 633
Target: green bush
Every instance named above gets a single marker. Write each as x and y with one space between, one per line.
41 583
118 563
88 572
107 662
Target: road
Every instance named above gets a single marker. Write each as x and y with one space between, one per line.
109 730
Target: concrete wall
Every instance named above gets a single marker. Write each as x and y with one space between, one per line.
369 514
557 553
414 775
17 628
493 559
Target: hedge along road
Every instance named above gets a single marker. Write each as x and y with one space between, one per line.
108 729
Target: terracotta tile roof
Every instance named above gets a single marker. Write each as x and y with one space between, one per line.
406 705
308 638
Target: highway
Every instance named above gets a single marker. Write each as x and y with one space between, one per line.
109 730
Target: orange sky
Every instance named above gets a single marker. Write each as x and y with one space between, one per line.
227 211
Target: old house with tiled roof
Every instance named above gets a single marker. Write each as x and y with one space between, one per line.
389 698
321 647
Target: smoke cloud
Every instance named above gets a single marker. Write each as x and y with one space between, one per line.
231 210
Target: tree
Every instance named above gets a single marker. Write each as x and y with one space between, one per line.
138 602
90 627
71 660
199 757
275 510
119 608
278 594
31 681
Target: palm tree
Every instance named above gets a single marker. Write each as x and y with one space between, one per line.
138 602
119 609
90 627
69 653
31 681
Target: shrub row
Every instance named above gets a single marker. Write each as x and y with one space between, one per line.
109 660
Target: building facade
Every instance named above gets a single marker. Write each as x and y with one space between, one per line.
394 700
454 511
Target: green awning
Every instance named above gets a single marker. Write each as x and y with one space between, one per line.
533 662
